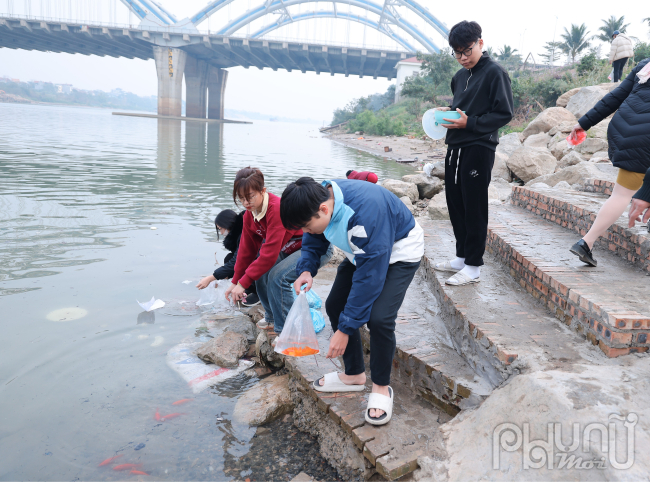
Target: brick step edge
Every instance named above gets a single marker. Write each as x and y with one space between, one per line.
623 242
487 358
355 426
616 333
427 376
599 186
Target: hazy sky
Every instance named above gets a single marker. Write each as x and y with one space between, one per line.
523 25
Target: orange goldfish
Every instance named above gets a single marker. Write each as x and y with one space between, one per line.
181 402
109 460
139 472
127 467
170 416
157 416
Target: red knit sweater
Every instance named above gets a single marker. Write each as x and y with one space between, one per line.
268 237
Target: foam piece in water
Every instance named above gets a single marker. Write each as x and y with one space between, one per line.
67 314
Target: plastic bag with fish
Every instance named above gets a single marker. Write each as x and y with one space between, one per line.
215 294
298 337
312 298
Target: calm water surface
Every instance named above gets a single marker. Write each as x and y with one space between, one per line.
80 190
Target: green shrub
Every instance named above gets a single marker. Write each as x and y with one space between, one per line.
377 125
641 51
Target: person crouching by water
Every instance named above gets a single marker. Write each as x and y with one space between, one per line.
384 246
230 224
274 270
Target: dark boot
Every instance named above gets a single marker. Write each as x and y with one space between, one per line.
582 251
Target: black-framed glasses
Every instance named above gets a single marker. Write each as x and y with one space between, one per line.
466 52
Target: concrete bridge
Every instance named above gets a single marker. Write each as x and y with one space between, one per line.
180 50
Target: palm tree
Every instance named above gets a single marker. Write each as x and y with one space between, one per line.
552 52
575 41
609 26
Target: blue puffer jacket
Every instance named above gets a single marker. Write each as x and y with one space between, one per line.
628 133
374 229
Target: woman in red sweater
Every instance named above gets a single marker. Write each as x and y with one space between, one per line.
274 270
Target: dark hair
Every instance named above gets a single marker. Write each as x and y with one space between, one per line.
347 174
246 180
464 34
300 202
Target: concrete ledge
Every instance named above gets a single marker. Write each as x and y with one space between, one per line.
189 119
577 211
584 298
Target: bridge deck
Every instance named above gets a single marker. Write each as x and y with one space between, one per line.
220 51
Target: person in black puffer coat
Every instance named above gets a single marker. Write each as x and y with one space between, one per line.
229 224
628 135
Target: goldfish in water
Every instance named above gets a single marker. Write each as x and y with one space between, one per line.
127 467
139 472
181 402
109 460
170 416
157 416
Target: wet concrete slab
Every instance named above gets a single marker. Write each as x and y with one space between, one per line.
609 301
498 328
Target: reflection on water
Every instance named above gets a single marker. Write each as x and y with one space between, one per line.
80 192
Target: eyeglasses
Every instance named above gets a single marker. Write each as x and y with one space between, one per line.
250 199
466 52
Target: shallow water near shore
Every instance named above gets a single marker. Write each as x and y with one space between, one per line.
82 370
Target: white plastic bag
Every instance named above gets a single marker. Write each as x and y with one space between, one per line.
611 75
428 168
208 295
298 337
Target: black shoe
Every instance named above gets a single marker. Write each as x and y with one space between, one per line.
251 300
582 251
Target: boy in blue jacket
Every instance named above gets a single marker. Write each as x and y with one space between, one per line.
383 245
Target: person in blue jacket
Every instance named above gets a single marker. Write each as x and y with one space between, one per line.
383 245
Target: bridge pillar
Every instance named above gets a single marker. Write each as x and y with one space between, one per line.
217 90
170 66
196 87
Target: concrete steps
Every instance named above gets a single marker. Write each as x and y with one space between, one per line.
608 304
498 329
577 211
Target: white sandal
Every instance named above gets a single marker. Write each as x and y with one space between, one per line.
461 279
446 266
332 383
381 402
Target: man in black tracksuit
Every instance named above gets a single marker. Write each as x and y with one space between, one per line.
483 97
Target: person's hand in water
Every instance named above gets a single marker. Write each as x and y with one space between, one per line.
305 277
235 293
205 282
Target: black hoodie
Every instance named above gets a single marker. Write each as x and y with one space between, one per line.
231 243
484 93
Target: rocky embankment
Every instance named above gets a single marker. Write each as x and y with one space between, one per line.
540 155
13 99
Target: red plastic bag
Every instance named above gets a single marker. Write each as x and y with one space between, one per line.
298 337
579 138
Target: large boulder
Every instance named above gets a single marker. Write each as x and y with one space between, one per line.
401 188
500 168
538 140
559 146
571 159
509 144
572 174
407 202
264 402
224 350
548 119
591 145
600 156
427 186
437 170
438 207
609 86
563 100
503 188
265 352
583 101
600 129
529 162
245 327
565 128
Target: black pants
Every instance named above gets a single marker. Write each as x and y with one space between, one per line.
381 323
618 68
466 187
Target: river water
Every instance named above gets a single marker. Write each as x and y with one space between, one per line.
80 190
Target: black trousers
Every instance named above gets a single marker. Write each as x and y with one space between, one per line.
618 66
466 188
382 319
